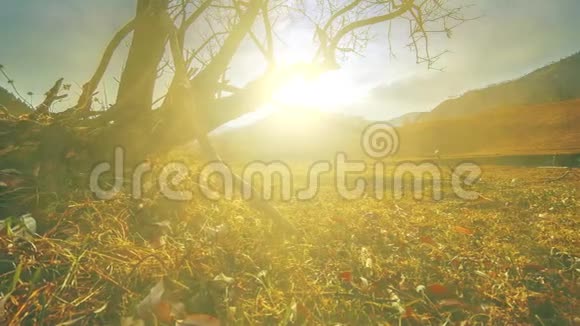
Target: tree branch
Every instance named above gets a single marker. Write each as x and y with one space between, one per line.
210 75
254 95
190 20
51 96
330 53
200 131
339 13
89 87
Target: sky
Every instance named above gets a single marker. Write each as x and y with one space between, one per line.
41 41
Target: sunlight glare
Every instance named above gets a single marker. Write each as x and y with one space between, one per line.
329 91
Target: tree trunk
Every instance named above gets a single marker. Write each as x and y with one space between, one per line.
135 94
66 146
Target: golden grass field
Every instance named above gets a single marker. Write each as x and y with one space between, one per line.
510 257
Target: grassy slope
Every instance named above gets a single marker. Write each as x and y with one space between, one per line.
552 83
539 129
14 105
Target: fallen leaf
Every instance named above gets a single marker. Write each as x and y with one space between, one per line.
530 268
159 232
10 171
409 312
147 306
365 258
223 278
304 311
70 154
345 276
11 180
437 290
339 219
428 240
450 303
462 230
21 228
163 312
101 308
364 282
7 149
164 225
482 274
157 240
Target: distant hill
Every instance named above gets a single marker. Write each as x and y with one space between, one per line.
296 134
406 118
518 130
14 105
557 82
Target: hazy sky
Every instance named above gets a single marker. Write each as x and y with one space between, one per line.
42 40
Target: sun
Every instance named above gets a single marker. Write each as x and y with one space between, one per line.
327 92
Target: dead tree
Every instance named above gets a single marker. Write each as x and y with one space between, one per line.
200 98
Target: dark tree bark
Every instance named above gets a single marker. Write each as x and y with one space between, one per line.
137 82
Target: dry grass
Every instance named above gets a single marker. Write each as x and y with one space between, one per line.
511 260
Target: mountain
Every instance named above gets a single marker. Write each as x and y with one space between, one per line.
14 105
559 81
517 130
406 119
535 114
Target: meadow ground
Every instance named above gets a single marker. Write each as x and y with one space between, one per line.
510 257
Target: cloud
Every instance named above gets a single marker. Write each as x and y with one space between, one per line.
411 94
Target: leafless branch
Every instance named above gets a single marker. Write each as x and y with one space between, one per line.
51 96
89 88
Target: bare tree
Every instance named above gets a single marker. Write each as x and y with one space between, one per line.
200 98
